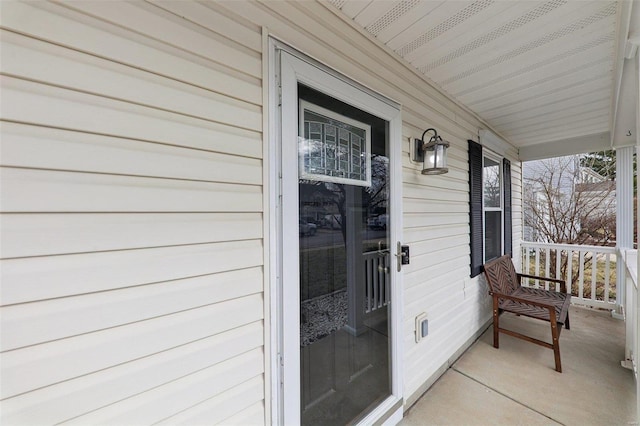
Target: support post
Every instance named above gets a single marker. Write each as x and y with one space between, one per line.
637 313
624 223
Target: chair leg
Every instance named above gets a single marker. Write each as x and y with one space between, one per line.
496 323
566 323
556 345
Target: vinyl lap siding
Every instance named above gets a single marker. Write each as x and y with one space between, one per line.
518 220
132 252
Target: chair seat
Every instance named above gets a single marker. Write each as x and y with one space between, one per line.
560 301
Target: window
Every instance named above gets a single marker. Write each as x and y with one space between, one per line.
490 206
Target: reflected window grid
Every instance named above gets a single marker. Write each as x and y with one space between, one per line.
332 148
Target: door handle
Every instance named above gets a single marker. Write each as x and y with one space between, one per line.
402 255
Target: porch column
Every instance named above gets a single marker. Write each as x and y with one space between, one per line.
636 326
637 307
624 223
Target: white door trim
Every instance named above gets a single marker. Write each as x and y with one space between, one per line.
287 68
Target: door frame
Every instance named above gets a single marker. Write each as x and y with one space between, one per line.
287 67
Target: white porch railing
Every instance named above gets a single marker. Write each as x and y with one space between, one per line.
632 316
588 270
377 291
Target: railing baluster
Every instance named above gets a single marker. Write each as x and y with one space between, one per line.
383 278
380 284
387 280
547 269
581 275
594 270
537 282
558 265
368 278
569 276
376 283
607 273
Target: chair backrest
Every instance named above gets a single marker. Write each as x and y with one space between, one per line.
501 275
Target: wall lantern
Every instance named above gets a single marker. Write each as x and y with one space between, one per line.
433 154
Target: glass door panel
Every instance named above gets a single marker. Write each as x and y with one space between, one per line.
344 260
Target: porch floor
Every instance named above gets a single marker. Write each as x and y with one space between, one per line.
517 384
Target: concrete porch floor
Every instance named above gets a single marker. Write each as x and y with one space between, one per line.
517 384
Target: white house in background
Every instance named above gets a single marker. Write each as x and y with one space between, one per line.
570 187
158 158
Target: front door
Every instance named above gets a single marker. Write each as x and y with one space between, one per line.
338 270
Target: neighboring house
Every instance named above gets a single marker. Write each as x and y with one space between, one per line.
158 162
598 197
597 202
562 185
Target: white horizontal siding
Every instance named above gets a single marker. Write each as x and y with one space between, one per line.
160 403
68 275
62 108
221 407
517 216
37 147
68 68
132 235
26 235
61 398
37 190
413 220
89 353
84 359
56 318
251 416
171 29
118 43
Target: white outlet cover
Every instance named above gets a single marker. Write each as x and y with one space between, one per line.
418 329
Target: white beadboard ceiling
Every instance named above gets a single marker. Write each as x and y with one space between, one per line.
543 74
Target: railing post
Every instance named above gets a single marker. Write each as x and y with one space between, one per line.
630 323
624 223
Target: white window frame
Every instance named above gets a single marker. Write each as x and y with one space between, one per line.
498 159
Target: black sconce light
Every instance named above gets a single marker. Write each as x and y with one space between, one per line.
432 154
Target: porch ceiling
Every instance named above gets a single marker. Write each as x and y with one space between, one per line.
544 75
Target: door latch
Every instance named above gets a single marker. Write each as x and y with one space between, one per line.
402 255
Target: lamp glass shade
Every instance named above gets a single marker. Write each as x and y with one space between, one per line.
435 157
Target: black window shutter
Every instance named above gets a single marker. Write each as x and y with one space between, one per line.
475 207
508 231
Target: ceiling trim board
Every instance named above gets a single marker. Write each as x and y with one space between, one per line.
624 129
570 146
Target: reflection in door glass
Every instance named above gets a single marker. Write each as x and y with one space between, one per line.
344 268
